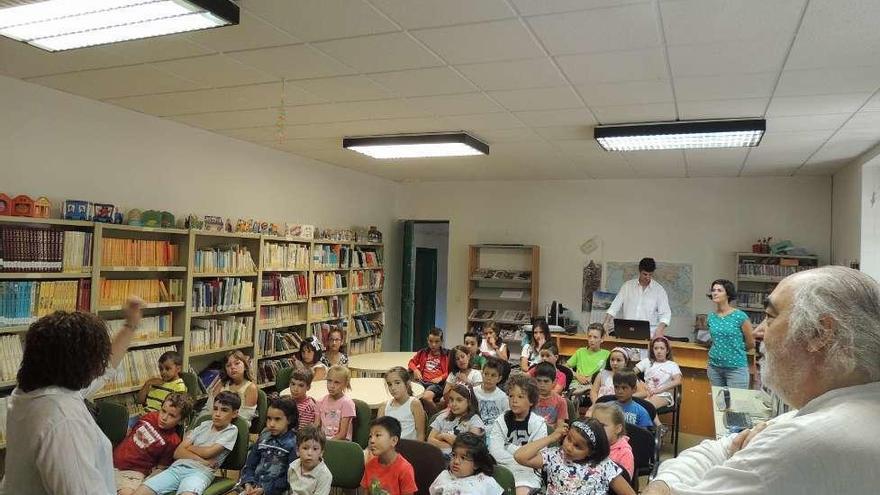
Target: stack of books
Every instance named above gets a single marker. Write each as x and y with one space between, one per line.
330 283
273 341
268 369
368 258
222 294
282 315
10 357
367 279
24 302
115 292
285 256
331 256
151 327
138 252
364 326
41 249
327 307
279 288
368 302
215 333
225 259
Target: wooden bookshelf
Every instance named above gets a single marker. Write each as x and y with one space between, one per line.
758 273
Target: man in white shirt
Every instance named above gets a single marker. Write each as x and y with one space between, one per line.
822 357
642 298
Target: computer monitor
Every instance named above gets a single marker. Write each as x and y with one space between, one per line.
632 329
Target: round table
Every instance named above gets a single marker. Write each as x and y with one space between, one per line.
377 363
370 390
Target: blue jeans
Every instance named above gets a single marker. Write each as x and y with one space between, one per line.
728 377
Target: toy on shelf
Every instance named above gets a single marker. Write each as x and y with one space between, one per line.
167 220
42 207
75 209
194 222
5 205
151 218
135 217
213 224
107 213
374 235
303 231
22 206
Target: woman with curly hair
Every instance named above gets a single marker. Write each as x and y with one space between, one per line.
53 444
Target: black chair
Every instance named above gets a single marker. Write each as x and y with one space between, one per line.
569 375
675 410
646 452
426 459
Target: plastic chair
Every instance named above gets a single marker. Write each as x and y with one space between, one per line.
569 375
646 450
361 424
505 478
346 463
675 410
259 422
112 419
426 459
233 462
193 386
282 379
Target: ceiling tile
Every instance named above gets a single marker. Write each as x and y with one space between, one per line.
759 157
865 120
633 65
215 71
424 82
715 163
314 20
645 112
455 104
578 147
722 109
699 172
798 141
498 120
548 118
823 168
535 7
517 74
300 145
293 62
483 42
563 132
22 60
348 111
116 82
829 81
265 134
600 30
758 170
159 48
724 87
873 103
231 120
537 98
500 135
740 57
251 32
657 163
380 53
415 14
829 121
836 34
708 21
781 106
345 88
841 150
626 93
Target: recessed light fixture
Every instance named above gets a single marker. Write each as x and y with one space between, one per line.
681 135
56 25
417 145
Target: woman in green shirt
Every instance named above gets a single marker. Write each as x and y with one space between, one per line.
731 333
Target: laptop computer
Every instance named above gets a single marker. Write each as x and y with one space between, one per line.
632 329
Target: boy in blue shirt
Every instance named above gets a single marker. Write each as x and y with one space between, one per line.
624 386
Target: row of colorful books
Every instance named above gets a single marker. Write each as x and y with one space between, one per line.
364 346
366 258
10 357
331 256
34 249
280 315
222 294
493 274
327 307
214 333
151 327
285 256
767 270
224 259
137 366
277 287
368 301
272 341
138 252
751 299
115 291
24 302
267 369
367 279
330 282
368 326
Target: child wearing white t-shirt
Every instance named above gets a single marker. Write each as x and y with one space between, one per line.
662 374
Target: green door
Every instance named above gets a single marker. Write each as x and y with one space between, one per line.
425 295
408 287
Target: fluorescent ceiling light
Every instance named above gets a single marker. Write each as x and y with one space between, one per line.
696 134
417 145
56 25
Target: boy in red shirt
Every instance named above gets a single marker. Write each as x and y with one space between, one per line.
387 472
430 366
150 443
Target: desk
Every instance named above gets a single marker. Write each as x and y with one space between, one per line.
691 358
751 402
377 363
370 390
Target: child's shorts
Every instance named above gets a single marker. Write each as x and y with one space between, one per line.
180 478
666 396
436 388
128 479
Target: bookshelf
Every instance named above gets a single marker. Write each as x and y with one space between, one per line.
273 279
503 287
757 274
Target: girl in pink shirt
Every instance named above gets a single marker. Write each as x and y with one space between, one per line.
611 417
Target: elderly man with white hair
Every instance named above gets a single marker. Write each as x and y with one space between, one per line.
822 336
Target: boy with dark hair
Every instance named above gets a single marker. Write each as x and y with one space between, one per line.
308 475
550 406
387 472
150 444
549 353
624 386
492 401
265 470
300 383
472 342
154 391
430 366
204 449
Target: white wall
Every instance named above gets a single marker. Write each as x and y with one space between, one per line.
436 236
846 201
870 225
697 221
64 146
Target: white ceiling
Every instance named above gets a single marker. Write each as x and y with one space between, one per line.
530 77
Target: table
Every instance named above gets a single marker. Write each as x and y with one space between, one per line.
370 390
756 403
375 364
691 358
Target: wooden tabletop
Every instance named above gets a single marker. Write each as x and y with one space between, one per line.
370 390
752 402
378 362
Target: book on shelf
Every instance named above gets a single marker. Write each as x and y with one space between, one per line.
482 314
327 307
364 326
502 275
137 366
285 256
151 327
364 346
768 270
229 259
24 302
138 252
367 279
222 294
115 291
751 299
267 369
4 404
274 341
280 315
331 256
10 357
215 333
42 249
370 301
515 317
277 287
366 258
329 282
